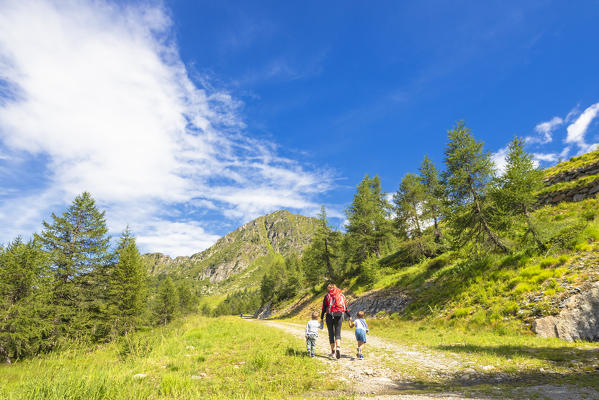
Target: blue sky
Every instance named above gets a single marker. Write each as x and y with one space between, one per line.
185 119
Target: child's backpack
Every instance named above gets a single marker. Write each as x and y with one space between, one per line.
336 302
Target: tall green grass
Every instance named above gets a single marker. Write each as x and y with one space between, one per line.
193 358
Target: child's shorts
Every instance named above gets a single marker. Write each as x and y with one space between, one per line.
361 335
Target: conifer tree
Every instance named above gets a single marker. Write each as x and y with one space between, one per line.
515 190
468 173
24 310
368 219
325 244
408 201
77 245
433 194
167 304
126 294
187 299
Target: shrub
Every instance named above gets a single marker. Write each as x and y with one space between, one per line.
522 287
369 270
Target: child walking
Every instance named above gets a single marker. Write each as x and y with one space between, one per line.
312 328
361 331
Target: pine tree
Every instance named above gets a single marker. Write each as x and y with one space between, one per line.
433 194
368 219
408 201
515 190
187 300
167 304
127 291
24 312
468 173
77 244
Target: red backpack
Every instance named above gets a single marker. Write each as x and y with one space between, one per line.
335 301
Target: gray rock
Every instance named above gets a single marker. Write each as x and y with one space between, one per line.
578 319
376 301
578 197
264 312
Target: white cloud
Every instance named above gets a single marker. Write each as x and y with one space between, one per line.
499 159
545 129
578 129
100 91
546 157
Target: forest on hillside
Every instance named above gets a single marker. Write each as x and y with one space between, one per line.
68 284
469 215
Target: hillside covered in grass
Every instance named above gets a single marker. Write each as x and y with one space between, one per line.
441 267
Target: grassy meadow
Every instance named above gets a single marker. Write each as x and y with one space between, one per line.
194 357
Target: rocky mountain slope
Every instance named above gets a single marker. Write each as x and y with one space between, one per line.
278 233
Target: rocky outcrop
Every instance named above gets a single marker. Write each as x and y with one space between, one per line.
571 175
374 302
571 195
578 319
264 312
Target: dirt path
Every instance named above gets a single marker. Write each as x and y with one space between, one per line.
389 370
377 373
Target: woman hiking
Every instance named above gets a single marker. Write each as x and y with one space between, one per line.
335 307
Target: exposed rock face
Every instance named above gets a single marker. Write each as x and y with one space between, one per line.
264 312
578 320
570 195
280 232
570 175
583 191
374 302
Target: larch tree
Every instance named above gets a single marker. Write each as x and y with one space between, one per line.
515 190
433 194
408 203
368 219
469 171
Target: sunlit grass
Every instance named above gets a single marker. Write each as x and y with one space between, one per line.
194 358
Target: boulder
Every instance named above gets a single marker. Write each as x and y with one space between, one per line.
578 319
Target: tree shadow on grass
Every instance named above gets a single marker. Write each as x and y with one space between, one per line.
557 355
525 385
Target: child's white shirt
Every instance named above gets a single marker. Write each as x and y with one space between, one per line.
360 323
312 327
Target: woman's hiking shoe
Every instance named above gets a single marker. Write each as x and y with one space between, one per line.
360 356
332 355
338 354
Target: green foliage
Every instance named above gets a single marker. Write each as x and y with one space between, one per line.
25 317
319 260
167 303
433 194
368 220
369 270
241 302
126 293
188 301
408 206
515 191
469 171
77 245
